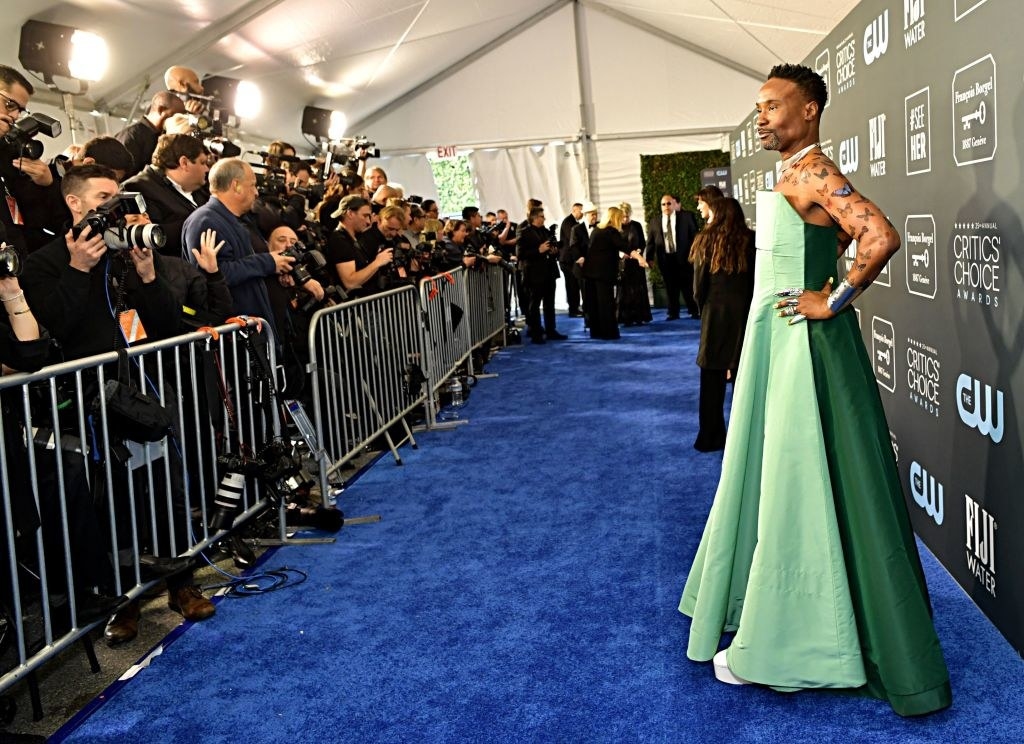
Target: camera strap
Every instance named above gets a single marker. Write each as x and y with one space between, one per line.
12 205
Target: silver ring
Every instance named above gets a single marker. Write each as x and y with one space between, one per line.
788 312
792 303
791 292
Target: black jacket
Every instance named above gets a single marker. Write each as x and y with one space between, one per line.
165 205
76 307
537 266
686 230
140 140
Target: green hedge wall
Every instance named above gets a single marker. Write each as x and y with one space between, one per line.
676 173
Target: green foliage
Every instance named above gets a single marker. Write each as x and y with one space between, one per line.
676 173
454 182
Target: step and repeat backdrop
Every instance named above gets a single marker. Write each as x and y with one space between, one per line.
926 118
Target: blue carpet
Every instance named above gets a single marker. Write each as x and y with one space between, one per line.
522 586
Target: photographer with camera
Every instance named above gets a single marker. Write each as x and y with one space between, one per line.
28 184
185 82
172 185
356 265
67 280
245 260
538 257
141 137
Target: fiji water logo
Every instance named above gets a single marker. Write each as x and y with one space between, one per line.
980 407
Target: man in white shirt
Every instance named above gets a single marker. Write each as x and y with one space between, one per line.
669 237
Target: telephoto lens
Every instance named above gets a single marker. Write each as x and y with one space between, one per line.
143 236
228 501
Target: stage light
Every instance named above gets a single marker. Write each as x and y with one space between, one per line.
62 51
248 100
339 123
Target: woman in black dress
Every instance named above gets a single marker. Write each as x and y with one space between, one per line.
634 307
723 285
601 271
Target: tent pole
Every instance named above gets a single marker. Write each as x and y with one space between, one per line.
588 151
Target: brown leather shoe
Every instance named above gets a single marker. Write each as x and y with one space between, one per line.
123 626
190 602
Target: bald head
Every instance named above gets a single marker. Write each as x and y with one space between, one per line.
182 80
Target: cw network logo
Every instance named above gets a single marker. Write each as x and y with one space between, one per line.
849 155
876 38
928 493
981 412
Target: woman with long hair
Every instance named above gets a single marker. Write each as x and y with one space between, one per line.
601 270
634 306
722 255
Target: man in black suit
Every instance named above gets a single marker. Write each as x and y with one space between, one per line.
539 261
172 185
579 243
572 285
669 237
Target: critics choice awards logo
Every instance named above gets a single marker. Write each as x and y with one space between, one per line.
980 407
883 352
823 66
928 493
919 253
876 38
846 64
977 268
876 145
975 134
913 22
924 376
981 544
917 118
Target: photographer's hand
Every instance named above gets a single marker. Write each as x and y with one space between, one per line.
545 247
194 106
282 263
206 256
385 257
178 124
86 251
314 288
144 266
37 170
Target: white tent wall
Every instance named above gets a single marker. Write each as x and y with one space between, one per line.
411 172
524 89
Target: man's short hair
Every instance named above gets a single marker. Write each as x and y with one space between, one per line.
224 172
670 195
378 169
9 76
277 148
171 147
390 213
109 152
468 212
299 166
351 203
76 178
164 100
415 212
577 204
534 213
429 204
810 83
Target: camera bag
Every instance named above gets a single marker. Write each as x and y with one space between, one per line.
131 414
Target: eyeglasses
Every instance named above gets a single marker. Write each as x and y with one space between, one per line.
12 106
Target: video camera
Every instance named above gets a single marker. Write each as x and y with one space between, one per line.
553 240
19 142
109 219
213 117
483 259
349 152
222 147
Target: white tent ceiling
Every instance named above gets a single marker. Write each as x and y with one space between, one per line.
368 58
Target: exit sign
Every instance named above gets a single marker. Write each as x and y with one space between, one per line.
446 151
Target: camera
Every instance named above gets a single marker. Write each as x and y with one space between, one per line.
18 141
307 264
109 219
483 259
10 262
273 466
221 147
552 239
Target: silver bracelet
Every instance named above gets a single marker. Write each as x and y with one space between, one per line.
841 296
16 297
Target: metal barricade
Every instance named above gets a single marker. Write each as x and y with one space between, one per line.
83 507
363 359
447 341
486 291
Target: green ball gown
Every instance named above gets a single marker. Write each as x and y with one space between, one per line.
808 554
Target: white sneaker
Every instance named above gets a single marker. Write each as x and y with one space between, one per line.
724 674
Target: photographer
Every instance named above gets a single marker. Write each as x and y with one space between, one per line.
244 260
355 265
172 185
185 82
69 280
28 185
538 257
141 137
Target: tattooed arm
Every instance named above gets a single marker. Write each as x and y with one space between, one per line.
823 195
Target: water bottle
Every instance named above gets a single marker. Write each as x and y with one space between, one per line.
456 391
